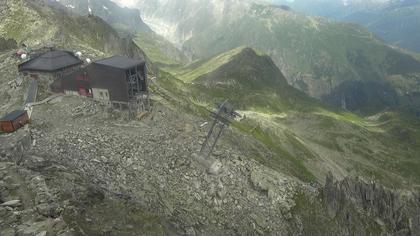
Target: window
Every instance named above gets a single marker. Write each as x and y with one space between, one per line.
101 94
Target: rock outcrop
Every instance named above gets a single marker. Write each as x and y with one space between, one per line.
6 44
14 146
396 212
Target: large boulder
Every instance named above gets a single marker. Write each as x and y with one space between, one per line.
7 44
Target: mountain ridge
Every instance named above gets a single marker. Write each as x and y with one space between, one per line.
315 54
121 18
128 23
394 21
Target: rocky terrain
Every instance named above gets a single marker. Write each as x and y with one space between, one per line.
64 175
151 164
41 197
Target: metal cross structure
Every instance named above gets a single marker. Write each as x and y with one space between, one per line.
138 93
222 118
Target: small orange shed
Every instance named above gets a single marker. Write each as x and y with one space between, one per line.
14 121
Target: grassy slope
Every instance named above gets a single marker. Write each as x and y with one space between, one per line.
308 138
32 28
195 70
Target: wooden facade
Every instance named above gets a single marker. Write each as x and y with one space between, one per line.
114 79
77 82
14 121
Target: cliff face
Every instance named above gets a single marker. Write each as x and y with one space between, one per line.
394 212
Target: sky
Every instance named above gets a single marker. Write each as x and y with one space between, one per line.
132 3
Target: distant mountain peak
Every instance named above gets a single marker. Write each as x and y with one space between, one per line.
121 18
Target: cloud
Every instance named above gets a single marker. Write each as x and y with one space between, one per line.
126 3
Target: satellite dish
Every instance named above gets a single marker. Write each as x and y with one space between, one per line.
88 60
24 56
78 54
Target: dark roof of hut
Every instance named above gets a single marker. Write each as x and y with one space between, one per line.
51 61
13 115
120 62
